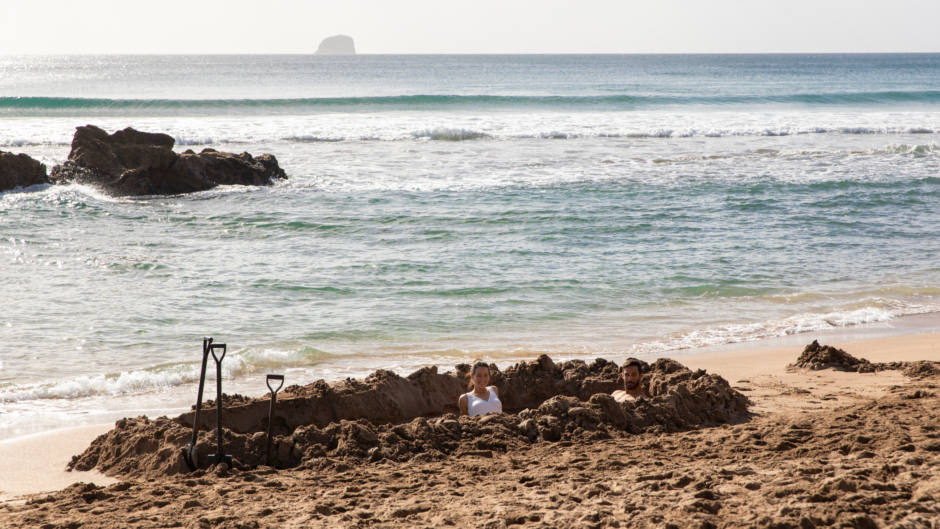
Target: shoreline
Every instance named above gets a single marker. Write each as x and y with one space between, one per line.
84 410
759 371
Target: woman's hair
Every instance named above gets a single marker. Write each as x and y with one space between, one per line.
477 365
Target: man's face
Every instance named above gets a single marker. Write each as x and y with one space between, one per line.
632 378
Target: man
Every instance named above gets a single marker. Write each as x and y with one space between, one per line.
632 374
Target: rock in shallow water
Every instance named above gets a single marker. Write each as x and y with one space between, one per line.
130 163
19 170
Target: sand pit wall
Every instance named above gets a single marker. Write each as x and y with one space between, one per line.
386 416
384 397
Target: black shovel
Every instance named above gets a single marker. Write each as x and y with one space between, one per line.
190 455
273 391
219 457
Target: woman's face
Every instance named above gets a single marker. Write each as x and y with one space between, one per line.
481 377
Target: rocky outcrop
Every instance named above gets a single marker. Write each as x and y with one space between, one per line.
386 416
131 162
337 45
19 170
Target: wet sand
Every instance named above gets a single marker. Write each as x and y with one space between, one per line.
36 463
822 448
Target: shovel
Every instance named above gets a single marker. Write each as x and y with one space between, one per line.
219 457
273 391
190 455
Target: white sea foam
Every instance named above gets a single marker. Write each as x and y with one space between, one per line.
205 140
55 134
904 148
28 143
879 311
134 382
12 193
450 134
236 364
310 138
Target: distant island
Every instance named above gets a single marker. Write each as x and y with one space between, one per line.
337 45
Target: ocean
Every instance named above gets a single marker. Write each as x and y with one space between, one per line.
442 209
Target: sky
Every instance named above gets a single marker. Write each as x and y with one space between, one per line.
479 26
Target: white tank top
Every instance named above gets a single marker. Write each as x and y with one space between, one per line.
478 406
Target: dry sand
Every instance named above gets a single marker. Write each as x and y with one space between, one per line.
822 448
764 376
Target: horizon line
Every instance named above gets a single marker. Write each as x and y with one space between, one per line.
46 54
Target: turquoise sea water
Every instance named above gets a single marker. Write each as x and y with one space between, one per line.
446 208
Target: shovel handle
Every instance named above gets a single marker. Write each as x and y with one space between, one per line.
213 347
220 456
274 377
206 343
267 451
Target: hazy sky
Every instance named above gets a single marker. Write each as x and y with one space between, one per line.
480 26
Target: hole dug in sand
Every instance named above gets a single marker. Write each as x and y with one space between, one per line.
386 416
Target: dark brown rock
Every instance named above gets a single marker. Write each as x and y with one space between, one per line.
131 162
19 170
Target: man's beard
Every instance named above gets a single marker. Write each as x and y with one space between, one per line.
632 387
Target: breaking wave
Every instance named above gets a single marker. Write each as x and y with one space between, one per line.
160 378
797 324
54 105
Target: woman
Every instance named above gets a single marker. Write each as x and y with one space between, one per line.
482 399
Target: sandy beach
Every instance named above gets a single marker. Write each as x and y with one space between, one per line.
818 448
36 463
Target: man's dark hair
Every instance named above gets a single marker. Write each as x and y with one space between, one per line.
639 364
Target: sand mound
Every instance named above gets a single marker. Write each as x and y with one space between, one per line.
817 356
921 369
388 417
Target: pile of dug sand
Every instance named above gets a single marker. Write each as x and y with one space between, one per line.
388 417
817 356
920 368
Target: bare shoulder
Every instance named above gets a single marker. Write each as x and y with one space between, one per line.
622 396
